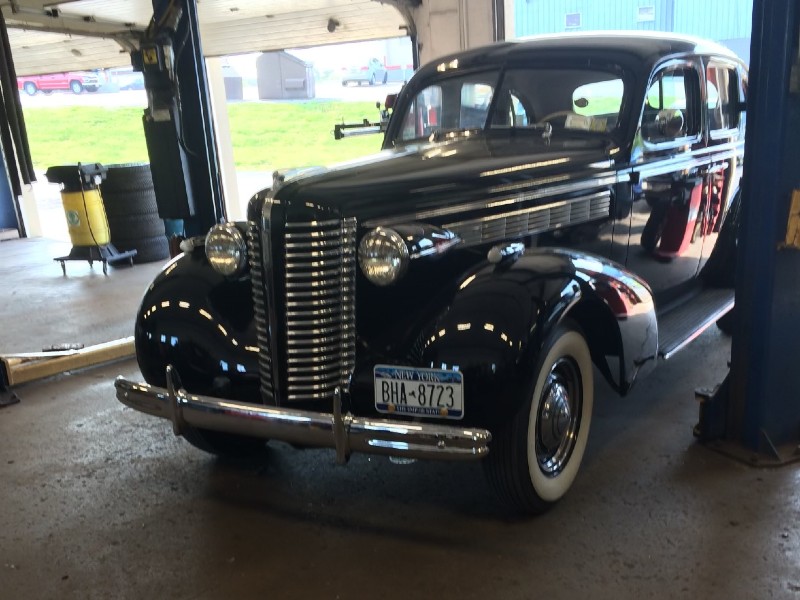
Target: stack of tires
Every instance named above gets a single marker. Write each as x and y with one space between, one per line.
130 203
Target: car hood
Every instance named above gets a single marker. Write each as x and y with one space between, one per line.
421 177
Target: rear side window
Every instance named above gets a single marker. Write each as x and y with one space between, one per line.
722 98
671 109
599 98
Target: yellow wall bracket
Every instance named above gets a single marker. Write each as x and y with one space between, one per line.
793 226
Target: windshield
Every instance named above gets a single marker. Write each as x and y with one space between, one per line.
570 99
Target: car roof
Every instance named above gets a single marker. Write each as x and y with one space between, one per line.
636 49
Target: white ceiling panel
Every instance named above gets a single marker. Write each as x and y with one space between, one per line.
365 20
226 27
39 52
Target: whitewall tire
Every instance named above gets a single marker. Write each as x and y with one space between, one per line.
534 461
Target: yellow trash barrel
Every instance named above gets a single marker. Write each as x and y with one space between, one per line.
86 218
83 205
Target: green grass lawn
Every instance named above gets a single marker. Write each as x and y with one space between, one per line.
265 135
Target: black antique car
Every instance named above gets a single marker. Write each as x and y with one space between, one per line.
540 210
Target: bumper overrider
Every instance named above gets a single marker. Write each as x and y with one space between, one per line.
343 432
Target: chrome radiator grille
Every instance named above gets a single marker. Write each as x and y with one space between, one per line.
260 307
320 307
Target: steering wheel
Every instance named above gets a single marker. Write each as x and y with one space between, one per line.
555 115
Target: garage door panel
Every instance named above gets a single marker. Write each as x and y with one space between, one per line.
226 27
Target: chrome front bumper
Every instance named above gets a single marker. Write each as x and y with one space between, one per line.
345 433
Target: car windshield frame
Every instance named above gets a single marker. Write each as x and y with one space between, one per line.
502 80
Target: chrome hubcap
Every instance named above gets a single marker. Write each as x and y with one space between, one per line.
559 417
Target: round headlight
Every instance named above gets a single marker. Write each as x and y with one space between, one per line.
226 249
383 256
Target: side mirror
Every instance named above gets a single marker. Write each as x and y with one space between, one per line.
670 123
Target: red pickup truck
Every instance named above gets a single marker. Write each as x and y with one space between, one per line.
75 81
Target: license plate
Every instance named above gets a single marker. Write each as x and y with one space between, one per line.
419 392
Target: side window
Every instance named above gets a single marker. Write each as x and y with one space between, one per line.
475 101
671 106
450 106
722 94
423 115
510 112
518 112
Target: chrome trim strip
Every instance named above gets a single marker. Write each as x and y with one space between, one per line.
315 360
543 191
526 221
265 366
269 279
317 369
315 303
320 381
303 341
315 350
312 313
299 286
690 160
315 323
317 254
313 244
300 225
323 263
344 432
348 283
312 235
308 274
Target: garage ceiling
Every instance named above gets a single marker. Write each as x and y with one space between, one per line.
87 34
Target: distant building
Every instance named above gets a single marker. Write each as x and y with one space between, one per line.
729 22
282 76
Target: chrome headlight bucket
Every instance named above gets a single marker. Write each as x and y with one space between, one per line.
383 256
226 249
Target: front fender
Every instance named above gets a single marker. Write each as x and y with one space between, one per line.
500 317
203 324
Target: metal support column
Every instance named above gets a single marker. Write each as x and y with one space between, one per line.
178 122
758 409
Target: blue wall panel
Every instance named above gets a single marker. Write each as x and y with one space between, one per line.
713 19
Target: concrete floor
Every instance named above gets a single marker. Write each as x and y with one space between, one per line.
99 501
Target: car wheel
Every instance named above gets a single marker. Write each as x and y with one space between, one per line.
76 87
372 79
385 77
535 459
30 88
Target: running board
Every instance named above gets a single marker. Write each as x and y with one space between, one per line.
692 317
